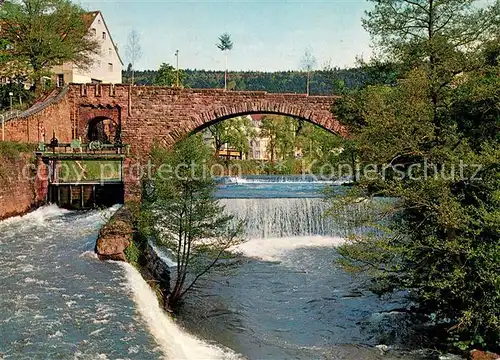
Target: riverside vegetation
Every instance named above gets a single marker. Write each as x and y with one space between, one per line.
430 96
180 213
443 243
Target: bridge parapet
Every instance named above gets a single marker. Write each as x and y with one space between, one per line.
145 113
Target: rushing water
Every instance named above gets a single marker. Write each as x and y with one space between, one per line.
284 299
58 301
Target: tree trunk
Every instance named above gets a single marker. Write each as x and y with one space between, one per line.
133 75
225 73
307 83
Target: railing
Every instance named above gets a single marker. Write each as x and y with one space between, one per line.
16 114
7 116
42 105
76 147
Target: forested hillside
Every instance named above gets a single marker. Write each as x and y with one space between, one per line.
323 82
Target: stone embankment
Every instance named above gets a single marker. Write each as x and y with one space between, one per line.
115 236
23 181
118 240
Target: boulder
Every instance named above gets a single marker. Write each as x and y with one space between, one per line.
483 355
115 236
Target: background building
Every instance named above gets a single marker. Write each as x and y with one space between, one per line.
107 65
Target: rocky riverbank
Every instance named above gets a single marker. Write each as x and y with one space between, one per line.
119 240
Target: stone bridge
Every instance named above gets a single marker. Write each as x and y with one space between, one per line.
140 114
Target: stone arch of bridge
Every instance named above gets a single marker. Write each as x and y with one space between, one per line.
323 120
103 129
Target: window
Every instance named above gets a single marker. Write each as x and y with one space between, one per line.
110 51
103 35
60 80
93 32
110 66
95 81
99 21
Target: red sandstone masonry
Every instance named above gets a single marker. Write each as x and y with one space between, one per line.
55 117
20 191
148 113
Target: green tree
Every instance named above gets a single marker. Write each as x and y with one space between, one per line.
167 76
225 44
320 145
45 33
281 134
21 97
182 213
236 133
443 243
4 54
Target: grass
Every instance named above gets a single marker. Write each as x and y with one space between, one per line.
89 170
13 150
133 254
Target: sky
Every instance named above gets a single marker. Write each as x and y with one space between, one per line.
267 35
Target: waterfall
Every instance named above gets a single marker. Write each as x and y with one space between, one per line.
175 342
278 218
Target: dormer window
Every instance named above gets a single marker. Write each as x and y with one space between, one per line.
103 35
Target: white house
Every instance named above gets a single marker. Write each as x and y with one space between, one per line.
107 66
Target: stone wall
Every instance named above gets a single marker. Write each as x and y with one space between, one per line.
55 118
148 113
21 190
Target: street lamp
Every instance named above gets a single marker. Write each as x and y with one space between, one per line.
177 60
11 94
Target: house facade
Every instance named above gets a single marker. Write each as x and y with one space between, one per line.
258 145
107 65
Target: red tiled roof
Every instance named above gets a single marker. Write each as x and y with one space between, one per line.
89 17
258 117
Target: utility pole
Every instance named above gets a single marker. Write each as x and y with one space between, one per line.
177 77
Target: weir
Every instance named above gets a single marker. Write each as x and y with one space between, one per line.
85 177
283 217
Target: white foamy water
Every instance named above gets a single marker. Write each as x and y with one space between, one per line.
163 255
288 217
58 301
174 341
38 216
277 249
283 179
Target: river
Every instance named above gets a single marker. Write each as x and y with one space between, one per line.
286 298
